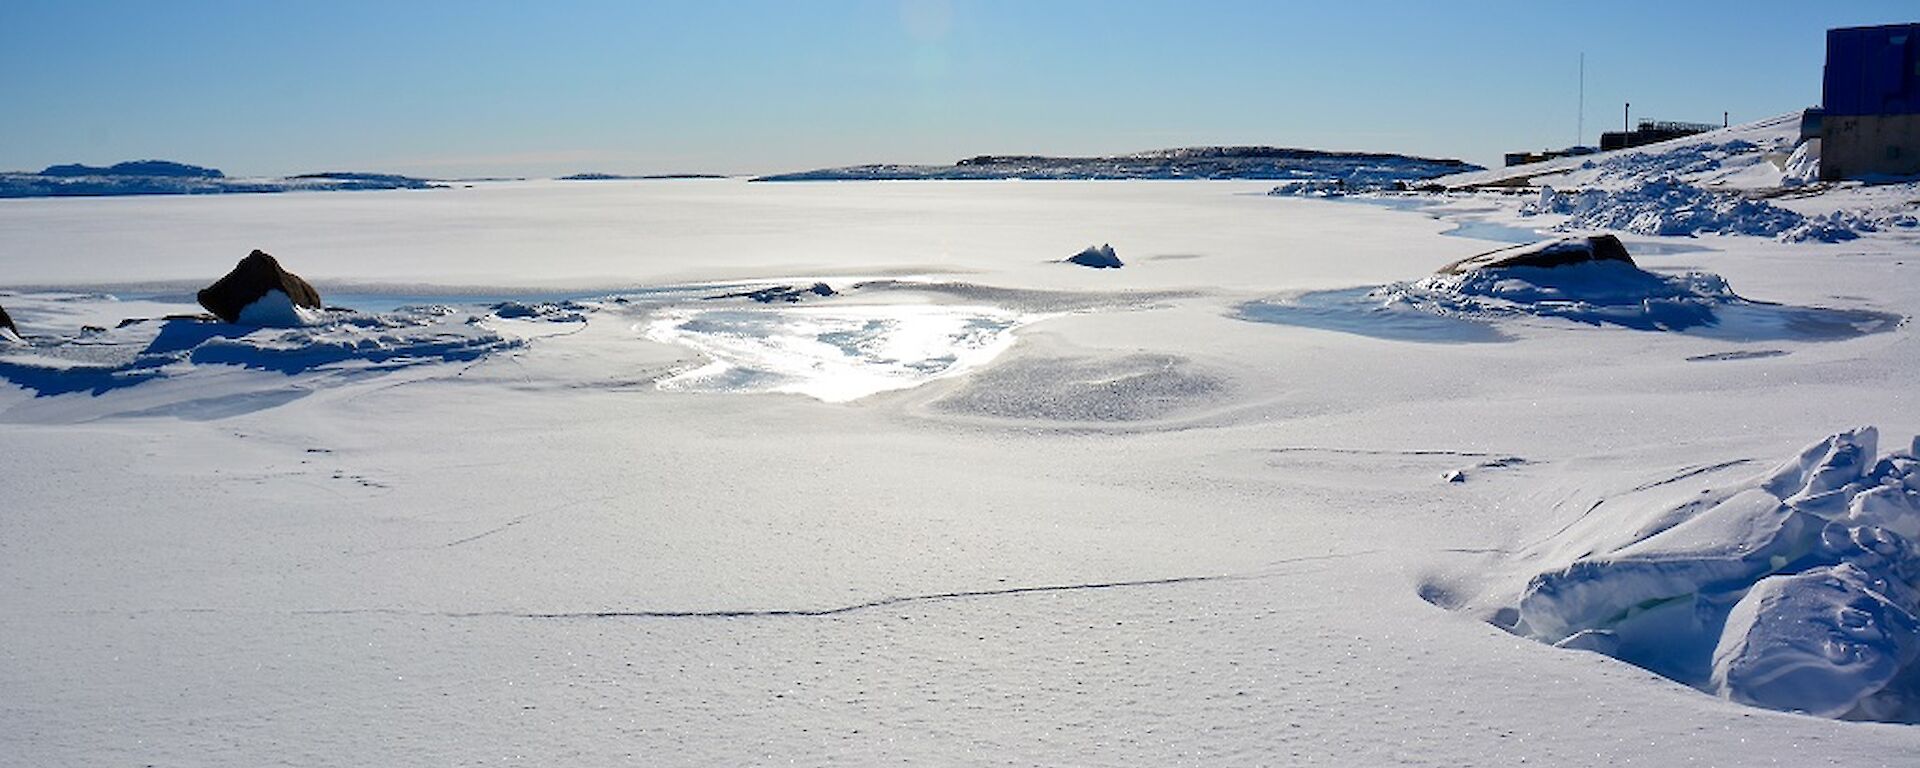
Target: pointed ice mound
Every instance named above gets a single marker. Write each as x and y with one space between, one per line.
1096 256
1796 591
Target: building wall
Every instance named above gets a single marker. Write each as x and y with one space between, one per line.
1852 146
1873 71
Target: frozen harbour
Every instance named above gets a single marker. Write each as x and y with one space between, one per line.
977 507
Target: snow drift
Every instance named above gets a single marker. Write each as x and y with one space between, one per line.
1792 591
191 357
1668 206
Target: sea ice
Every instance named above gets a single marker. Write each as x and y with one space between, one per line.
835 354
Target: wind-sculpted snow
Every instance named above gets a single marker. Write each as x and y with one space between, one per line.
1471 306
1667 206
1756 180
1793 591
833 353
1351 169
182 363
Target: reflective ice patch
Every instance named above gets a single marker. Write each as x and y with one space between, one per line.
835 354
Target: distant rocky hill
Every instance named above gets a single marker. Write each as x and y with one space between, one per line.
644 177
156 168
164 177
1267 163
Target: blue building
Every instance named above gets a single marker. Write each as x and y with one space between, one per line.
1871 100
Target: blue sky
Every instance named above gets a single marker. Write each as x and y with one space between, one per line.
525 88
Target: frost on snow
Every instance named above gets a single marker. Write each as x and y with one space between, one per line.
1795 591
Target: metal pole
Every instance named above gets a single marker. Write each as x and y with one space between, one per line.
1580 130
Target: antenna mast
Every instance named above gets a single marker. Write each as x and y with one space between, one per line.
1580 130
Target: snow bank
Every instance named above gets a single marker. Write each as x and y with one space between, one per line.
1757 179
1795 591
1668 206
195 353
1803 166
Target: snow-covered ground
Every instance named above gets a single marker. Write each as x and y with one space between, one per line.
1754 179
1248 500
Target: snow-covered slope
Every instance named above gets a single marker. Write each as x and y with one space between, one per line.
1755 179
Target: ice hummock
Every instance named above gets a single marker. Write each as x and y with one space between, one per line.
1097 257
1465 302
1793 591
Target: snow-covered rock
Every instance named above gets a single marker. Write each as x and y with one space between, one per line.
233 298
1595 291
1558 252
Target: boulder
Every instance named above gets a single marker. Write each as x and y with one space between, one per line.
1559 252
1096 256
253 278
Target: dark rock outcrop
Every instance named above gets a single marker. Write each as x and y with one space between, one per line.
7 322
786 293
251 279
1096 256
1546 253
